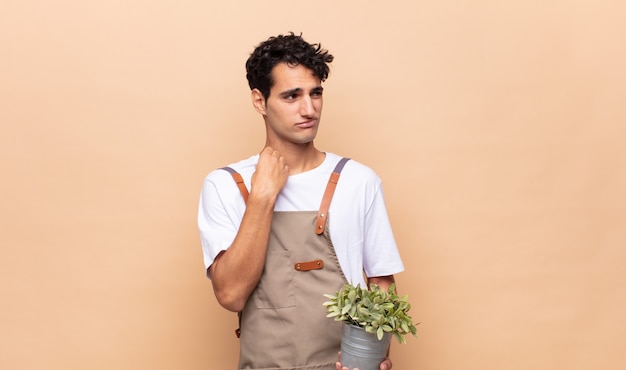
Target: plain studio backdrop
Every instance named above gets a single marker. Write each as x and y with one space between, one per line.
496 126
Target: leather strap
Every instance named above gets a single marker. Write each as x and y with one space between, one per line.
308 266
239 180
322 214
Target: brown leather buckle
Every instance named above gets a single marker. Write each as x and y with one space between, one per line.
308 266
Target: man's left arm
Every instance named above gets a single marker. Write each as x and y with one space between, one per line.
382 281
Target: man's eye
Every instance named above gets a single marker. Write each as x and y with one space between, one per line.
316 93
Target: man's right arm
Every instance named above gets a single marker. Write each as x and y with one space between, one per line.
236 272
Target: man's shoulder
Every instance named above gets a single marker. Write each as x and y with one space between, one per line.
243 167
355 173
355 168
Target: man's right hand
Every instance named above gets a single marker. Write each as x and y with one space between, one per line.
270 175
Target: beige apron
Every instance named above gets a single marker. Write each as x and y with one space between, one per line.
284 324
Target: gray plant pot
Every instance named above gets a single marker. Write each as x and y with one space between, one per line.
362 350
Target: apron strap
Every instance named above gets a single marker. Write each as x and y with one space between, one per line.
239 180
328 193
322 214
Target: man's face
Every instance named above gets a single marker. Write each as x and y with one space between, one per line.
294 106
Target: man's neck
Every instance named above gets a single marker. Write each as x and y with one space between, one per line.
300 158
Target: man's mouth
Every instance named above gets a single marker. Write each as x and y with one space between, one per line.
307 124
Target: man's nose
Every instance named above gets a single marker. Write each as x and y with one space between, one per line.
306 107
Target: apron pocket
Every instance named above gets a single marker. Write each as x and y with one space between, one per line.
275 289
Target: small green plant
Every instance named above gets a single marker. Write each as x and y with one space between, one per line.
376 310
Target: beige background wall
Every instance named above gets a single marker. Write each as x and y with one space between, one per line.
497 127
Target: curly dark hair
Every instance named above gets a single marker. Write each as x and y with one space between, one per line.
291 49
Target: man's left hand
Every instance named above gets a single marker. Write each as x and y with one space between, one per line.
385 365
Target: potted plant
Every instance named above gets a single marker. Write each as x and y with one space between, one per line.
371 316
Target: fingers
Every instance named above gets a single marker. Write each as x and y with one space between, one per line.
271 173
273 159
268 150
386 364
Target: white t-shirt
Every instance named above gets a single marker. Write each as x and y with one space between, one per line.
358 222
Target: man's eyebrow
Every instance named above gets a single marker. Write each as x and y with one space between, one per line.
297 90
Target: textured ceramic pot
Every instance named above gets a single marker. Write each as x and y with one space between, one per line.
362 350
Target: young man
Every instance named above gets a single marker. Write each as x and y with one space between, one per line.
285 226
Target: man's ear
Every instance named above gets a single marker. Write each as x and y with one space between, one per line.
258 101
